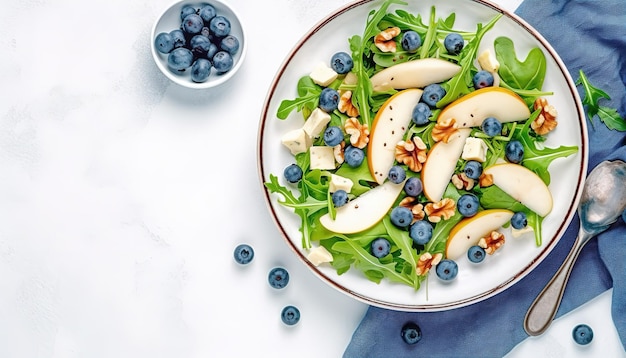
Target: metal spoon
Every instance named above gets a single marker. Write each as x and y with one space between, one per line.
603 200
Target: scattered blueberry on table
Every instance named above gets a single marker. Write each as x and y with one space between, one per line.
278 277
243 254
582 334
290 315
411 333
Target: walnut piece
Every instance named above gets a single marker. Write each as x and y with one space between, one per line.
443 130
412 153
384 40
338 152
415 206
546 121
442 210
461 181
359 133
346 106
426 262
485 180
492 242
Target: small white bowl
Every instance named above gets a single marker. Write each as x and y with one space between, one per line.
170 20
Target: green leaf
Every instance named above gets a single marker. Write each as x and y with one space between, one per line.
528 74
609 116
307 100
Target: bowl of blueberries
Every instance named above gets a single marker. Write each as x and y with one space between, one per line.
198 45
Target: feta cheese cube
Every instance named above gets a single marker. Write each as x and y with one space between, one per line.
316 123
488 61
474 149
322 157
297 140
337 182
520 232
319 255
323 75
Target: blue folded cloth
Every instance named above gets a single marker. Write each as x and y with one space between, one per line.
588 35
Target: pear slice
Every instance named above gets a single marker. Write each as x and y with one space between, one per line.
472 109
388 128
414 74
523 185
365 211
440 164
469 231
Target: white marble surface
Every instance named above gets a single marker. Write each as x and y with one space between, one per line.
123 196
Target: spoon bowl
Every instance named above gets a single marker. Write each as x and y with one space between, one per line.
602 202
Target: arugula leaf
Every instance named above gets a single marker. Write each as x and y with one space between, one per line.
303 207
402 240
609 116
528 74
442 229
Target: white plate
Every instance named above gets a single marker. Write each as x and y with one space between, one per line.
517 257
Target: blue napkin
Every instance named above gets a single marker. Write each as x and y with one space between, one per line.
588 35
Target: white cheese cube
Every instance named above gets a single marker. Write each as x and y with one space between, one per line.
297 140
316 123
488 61
322 157
520 232
337 182
474 149
319 255
323 75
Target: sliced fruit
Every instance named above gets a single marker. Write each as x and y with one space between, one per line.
469 231
440 164
500 103
365 211
523 185
414 74
388 128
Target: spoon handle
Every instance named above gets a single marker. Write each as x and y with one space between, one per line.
544 308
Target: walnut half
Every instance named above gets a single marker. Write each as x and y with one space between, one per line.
412 153
426 262
492 242
442 210
546 121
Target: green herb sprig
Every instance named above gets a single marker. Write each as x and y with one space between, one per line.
607 115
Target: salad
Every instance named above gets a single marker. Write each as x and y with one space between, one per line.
417 149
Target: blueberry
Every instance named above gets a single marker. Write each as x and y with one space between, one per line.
482 79
421 232
413 186
582 334
164 42
473 169
278 277
333 136
514 151
243 254
454 43
207 12
353 156
421 114
230 44
193 24
447 269
329 99
519 220
491 126
411 41
411 333
200 70
341 62
290 315
180 59
397 174
186 10
432 94
178 37
211 51
220 26
401 216
199 45
339 198
222 61
476 254
293 173
380 247
467 205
